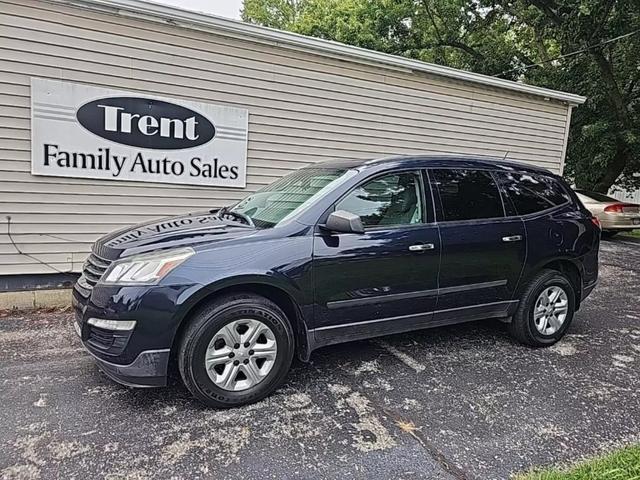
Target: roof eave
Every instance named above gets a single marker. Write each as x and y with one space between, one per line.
190 19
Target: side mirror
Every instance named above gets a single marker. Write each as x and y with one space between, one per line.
344 222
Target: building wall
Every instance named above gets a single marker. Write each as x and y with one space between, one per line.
632 197
304 108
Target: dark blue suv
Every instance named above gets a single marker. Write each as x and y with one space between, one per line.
335 252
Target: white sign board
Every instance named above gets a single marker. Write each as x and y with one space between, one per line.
90 132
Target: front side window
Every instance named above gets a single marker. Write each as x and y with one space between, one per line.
468 194
290 195
389 200
531 193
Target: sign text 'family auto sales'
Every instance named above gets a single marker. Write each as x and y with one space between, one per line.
90 132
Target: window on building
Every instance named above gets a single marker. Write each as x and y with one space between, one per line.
388 200
468 194
532 193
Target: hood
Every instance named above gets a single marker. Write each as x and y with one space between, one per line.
172 232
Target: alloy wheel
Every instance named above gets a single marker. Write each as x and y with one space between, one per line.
241 354
551 309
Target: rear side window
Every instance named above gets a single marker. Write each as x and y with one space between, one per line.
468 194
532 193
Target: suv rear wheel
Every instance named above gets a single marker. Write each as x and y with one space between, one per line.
236 350
546 309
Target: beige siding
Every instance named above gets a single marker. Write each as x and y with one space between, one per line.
303 108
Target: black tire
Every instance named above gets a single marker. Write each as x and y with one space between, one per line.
206 322
609 233
522 326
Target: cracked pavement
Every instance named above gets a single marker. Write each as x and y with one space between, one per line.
460 402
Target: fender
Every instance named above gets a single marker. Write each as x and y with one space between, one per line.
302 307
542 263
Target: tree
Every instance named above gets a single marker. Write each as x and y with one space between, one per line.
604 142
589 47
449 32
281 14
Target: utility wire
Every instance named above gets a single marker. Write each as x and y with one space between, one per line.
27 254
577 52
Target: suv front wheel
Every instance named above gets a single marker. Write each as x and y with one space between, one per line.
236 350
545 311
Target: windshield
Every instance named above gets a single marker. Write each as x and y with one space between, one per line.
599 197
290 195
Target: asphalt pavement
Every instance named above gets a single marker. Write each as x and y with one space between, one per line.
461 402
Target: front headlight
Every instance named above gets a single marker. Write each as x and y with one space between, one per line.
146 268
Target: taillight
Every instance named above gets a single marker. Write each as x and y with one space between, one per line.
617 207
596 222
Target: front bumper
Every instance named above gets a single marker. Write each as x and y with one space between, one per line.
149 369
139 357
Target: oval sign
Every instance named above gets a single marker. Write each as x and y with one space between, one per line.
145 123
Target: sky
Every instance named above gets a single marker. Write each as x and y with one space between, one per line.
224 8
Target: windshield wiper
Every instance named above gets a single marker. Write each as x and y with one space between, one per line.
224 212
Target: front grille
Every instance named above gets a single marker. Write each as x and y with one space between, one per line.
92 271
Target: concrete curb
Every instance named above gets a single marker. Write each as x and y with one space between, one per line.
33 299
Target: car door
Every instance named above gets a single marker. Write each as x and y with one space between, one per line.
483 249
556 227
385 279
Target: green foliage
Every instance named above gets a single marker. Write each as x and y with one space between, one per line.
500 37
604 147
621 465
281 14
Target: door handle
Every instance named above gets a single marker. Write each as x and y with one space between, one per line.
421 247
512 238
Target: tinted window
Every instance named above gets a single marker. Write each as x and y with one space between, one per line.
532 193
388 200
468 194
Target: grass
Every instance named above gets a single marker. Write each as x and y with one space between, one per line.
622 464
632 233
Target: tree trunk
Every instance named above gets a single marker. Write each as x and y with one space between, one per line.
614 168
613 90
623 152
